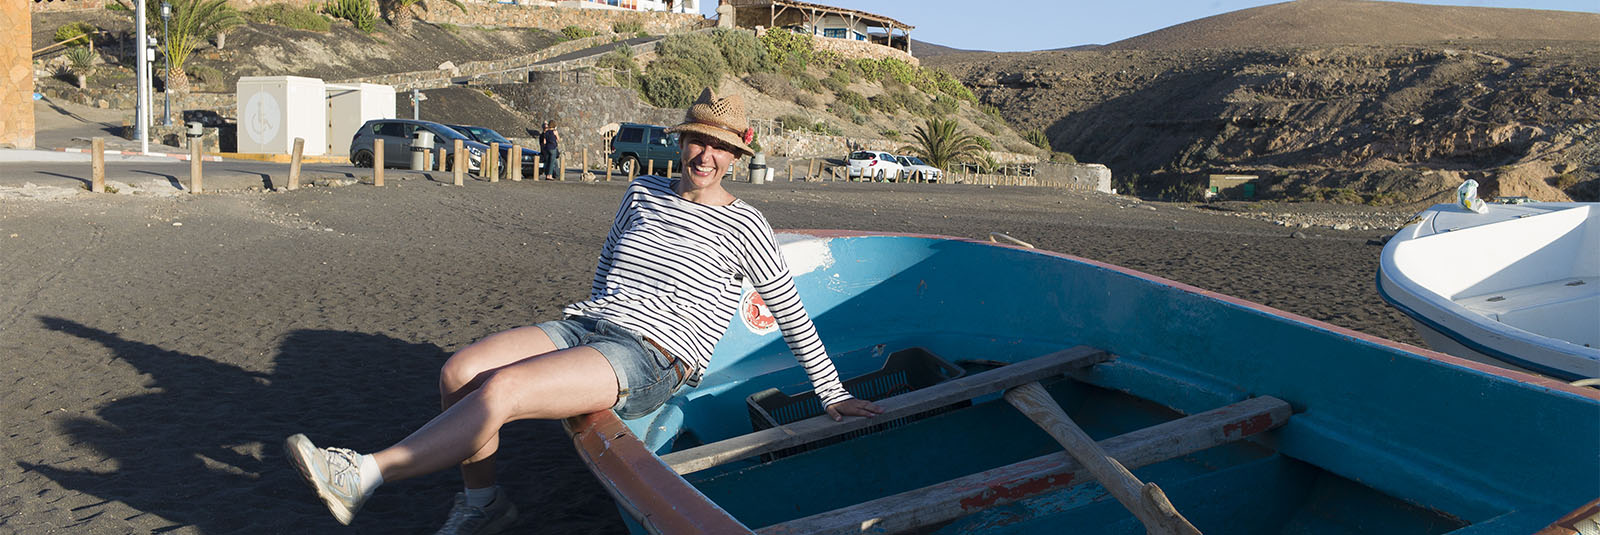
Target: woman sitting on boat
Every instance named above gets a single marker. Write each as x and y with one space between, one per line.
666 287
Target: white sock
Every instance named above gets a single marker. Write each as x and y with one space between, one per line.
481 497
371 477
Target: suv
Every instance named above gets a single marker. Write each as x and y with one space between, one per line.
874 165
917 170
486 136
636 145
395 134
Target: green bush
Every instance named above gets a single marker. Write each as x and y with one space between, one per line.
1184 192
299 18
1063 157
694 55
113 6
1566 180
852 99
836 81
871 69
885 103
741 51
808 100
912 102
577 32
946 106
806 82
772 84
77 32
790 51
665 87
890 134
207 75
899 71
983 142
625 27
794 122
1037 138
358 12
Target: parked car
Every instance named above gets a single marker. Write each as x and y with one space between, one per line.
874 165
486 136
395 134
916 170
636 145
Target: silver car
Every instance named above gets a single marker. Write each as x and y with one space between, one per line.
395 134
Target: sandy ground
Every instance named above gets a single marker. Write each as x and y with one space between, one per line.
154 351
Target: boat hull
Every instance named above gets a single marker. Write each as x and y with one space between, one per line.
1518 286
1381 432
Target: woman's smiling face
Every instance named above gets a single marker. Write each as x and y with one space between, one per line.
705 159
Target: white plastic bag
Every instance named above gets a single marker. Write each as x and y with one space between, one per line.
1467 197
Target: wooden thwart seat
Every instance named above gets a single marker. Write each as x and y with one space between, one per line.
821 427
965 495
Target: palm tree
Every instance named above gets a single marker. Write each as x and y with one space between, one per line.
81 60
192 23
941 142
402 16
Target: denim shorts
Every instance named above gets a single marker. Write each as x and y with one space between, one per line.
646 377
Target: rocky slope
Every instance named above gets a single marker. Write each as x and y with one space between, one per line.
1356 105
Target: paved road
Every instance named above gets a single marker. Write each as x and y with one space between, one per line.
165 175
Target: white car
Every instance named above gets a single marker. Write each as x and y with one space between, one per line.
874 165
914 169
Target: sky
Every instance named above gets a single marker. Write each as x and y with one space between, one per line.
1021 25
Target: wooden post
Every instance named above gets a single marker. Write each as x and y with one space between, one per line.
491 164
438 159
194 166
536 165
377 163
294 163
651 167
460 155
669 168
791 170
585 160
633 169
1145 500
514 160
97 165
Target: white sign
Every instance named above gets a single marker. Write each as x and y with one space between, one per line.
262 118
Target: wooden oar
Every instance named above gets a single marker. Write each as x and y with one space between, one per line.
1144 500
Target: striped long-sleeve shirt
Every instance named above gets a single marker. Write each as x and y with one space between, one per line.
672 271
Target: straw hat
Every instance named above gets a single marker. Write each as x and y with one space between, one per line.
721 118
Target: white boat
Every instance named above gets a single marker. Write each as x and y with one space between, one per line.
1516 286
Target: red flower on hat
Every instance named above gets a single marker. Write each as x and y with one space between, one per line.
749 134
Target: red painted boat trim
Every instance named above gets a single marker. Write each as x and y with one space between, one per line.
1523 377
654 495
1568 525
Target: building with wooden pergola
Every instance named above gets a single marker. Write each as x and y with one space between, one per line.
822 21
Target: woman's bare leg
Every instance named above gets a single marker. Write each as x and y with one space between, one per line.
467 368
555 385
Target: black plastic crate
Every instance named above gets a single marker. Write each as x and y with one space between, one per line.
904 371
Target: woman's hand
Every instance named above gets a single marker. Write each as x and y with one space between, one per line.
853 407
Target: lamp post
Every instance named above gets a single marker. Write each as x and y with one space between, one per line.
166 108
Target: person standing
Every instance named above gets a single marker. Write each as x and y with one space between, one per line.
550 147
665 288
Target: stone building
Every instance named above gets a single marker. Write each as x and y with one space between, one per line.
827 22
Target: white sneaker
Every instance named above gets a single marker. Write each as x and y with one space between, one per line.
468 520
335 473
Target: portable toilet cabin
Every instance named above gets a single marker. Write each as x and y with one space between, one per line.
274 110
352 105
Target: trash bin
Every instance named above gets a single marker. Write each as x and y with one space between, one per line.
421 148
758 168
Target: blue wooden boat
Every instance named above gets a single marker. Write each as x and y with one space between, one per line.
1245 418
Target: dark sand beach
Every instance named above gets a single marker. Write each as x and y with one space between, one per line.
155 351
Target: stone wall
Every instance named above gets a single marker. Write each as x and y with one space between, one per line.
535 14
41 6
863 49
16 76
493 71
581 107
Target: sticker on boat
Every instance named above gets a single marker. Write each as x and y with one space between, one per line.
757 317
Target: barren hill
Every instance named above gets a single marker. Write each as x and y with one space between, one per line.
1397 111
1366 22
